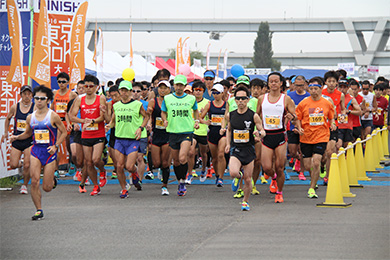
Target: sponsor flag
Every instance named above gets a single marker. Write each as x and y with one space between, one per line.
186 58
179 57
15 75
225 59
219 57
208 57
131 46
40 64
76 62
94 58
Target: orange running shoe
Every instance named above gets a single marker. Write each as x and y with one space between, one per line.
96 190
77 176
210 172
266 176
301 177
103 179
82 189
273 187
279 198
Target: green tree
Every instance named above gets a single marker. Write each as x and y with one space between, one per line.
262 56
193 54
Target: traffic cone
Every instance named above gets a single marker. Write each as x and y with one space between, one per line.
385 140
359 161
343 170
369 156
351 165
375 149
334 196
380 146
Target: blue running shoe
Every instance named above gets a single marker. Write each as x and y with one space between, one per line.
236 182
245 206
203 176
181 190
287 176
220 182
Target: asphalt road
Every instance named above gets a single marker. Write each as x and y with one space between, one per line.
205 224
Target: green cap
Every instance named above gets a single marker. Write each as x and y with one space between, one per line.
243 79
180 79
126 84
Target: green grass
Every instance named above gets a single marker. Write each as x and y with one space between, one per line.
9 182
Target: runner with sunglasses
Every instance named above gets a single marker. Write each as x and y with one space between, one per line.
43 124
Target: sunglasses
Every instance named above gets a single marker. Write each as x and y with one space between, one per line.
62 81
215 92
198 89
365 88
137 91
89 86
40 98
241 98
208 78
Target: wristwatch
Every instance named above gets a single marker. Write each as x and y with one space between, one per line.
57 146
93 121
142 128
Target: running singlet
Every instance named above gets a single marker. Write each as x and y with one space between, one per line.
272 113
242 126
216 115
61 104
356 119
203 128
345 121
94 130
336 98
44 134
369 98
20 119
179 110
127 119
157 122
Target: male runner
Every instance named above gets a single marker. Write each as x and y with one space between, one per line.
382 103
356 123
176 114
43 124
19 112
209 77
371 106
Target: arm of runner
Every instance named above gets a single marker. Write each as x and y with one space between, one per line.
228 135
203 114
56 121
342 105
26 133
375 108
259 125
139 130
224 120
332 124
149 111
164 114
103 114
7 121
356 108
258 109
52 103
112 122
290 106
196 117
73 112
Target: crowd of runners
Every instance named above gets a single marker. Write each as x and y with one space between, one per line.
247 128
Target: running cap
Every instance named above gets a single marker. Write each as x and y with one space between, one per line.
243 79
209 74
218 87
26 87
189 88
343 82
126 84
165 82
180 79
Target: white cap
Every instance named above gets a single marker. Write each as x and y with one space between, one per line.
218 87
165 82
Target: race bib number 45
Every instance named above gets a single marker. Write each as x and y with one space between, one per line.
42 136
241 136
272 122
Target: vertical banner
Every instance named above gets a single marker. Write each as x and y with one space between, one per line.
77 63
225 59
15 75
179 57
131 46
96 40
186 58
219 57
208 57
40 64
99 55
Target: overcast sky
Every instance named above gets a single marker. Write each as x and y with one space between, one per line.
228 9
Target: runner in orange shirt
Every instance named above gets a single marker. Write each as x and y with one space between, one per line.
315 115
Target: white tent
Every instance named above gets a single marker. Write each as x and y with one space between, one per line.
114 64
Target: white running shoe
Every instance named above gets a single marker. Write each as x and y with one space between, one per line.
87 182
23 190
164 191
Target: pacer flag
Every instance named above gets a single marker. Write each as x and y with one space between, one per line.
40 64
179 57
131 46
76 62
15 75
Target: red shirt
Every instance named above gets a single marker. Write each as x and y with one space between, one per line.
92 111
348 122
356 119
382 106
336 97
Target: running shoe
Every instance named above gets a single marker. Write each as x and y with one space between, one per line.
77 176
149 175
194 174
325 181
23 190
291 162
273 187
95 191
159 175
189 179
124 194
57 174
239 194
236 182
316 187
297 166
245 206
255 191
220 182
20 169
55 182
279 198
181 191
322 172
82 189
312 194
263 180
128 186
301 177
87 182
137 183
114 175
203 176
38 215
210 172
164 191
103 179
286 176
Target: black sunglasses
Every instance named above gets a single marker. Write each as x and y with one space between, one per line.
40 98
137 91
215 92
241 98
62 81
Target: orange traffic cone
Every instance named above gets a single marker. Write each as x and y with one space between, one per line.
351 165
334 196
344 175
359 161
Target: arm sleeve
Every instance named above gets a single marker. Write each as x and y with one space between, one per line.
195 106
163 106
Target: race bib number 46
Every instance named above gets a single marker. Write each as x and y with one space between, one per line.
42 136
241 136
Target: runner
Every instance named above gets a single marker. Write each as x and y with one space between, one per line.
115 97
209 77
315 115
93 134
216 111
43 124
19 112
129 119
160 148
272 108
382 103
176 114
371 106
356 123
345 121
240 141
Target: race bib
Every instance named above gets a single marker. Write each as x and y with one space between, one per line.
42 136
21 125
367 105
272 122
241 136
342 119
159 123
316 119
379 111
216 120
61 107
92 127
